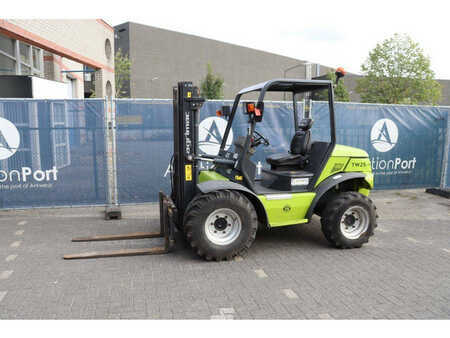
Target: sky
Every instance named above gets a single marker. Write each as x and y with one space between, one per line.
333 33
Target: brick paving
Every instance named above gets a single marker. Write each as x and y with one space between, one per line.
403 273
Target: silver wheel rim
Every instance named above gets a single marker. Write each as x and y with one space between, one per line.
354 222
223 226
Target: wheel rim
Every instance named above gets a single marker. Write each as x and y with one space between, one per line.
354 222
223 226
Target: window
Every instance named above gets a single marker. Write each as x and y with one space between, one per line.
108 49
7 60
17 57
36 58
7 65
31 60
7 45
25 70
108 89
24 52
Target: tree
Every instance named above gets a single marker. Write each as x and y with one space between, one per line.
122 65
340 91
212 85
398 72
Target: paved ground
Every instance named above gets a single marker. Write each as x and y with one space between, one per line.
404 272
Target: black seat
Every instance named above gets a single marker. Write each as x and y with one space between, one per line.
297 158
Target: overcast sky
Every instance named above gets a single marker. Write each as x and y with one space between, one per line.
334 33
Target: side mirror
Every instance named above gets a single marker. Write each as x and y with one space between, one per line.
259 110
254 111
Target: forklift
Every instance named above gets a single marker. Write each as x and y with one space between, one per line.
220 209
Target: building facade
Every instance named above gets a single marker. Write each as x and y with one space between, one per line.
60 50
160 58
50 132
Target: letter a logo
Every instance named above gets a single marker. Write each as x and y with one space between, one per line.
210 134
9 139
384 135
213 133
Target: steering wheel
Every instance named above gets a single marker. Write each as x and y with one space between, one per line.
260 140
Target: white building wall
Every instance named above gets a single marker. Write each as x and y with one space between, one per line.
80 40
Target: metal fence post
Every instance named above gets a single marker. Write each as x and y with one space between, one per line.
444 188
112 210
446 159
310 109
114 151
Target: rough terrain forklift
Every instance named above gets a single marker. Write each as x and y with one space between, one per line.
220 209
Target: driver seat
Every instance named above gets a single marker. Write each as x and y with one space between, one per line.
297 158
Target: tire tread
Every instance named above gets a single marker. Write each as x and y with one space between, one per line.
194 211
330 219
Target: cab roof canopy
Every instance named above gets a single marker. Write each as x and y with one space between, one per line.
288 85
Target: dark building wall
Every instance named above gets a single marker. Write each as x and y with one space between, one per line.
122 42
445 98
171 57
122 38
350 81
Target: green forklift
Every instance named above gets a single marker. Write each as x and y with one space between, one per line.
220 209
227 205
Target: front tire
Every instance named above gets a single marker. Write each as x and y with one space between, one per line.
220 225
349 220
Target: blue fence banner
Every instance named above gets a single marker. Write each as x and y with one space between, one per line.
52 153
446 177
145 141
406 144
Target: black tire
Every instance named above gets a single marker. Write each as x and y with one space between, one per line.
200 209
333 213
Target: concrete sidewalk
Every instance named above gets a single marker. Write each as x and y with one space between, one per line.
404 271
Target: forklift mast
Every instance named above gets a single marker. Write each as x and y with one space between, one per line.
186 105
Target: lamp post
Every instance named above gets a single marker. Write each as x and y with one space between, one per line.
153 79
307 72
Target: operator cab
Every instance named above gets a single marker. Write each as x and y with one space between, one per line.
297 158
292 169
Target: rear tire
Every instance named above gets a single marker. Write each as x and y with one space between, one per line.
349 220
220 225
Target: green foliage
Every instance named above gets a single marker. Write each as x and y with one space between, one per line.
340 91
212 85
122 65
398 72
